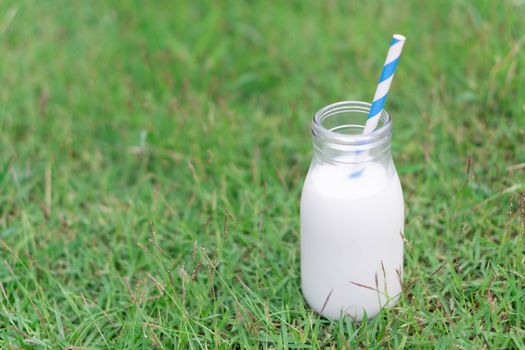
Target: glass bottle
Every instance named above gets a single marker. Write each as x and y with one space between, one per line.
352 216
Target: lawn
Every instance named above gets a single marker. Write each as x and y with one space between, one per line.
152 156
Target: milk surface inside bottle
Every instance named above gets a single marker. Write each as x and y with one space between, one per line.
352 216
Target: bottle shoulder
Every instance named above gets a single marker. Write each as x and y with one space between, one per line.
355 181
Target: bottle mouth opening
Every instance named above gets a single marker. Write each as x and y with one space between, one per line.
343 123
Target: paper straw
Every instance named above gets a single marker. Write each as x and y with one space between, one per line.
392 58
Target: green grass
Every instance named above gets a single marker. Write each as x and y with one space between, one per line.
152 157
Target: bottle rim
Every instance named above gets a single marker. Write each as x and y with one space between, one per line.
319 130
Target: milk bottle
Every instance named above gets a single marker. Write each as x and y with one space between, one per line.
352 216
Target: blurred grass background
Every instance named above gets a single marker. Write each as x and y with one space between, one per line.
152 156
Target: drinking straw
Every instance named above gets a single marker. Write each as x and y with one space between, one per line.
389 68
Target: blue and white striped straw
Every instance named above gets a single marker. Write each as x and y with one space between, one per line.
392 58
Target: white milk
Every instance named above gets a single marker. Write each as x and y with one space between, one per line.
350 228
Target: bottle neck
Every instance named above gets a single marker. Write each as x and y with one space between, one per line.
337 131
